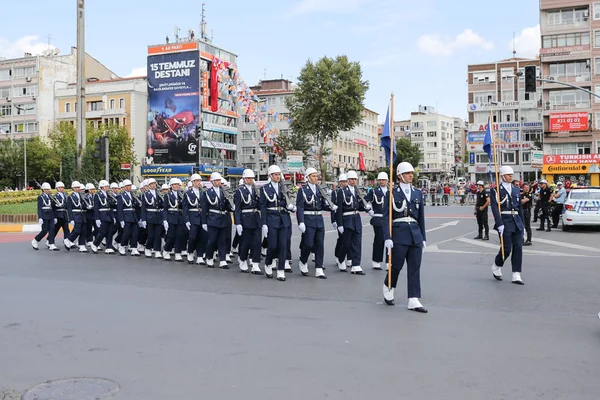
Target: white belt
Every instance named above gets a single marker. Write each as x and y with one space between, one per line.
46 208
350 213
128 209
173 209
312 212
275 208
194 209
60 209
77 211
104 209
513 212
405 219
217 212
250 210
153 209
377 215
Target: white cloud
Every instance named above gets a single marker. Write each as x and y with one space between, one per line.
340 6
444 46
139 71
528 42
26 44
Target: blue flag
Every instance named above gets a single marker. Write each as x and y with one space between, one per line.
386 139
487 147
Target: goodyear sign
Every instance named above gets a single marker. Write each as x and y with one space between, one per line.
167 170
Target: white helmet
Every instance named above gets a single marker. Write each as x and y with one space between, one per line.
543 181
103 183
76 184
195 177
506 170
342 178
174 181
89 186
126 182
241 181
149 181
382 176
133 187
59 184
481 183
215 176
404 167
121 185
46 185
164 187
310 171
144 183
114 185
274 169
352 175
248 173
190 184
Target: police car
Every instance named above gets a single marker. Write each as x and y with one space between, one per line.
582 207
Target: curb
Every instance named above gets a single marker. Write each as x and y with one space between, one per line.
23 228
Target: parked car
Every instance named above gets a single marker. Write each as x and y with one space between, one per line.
582 207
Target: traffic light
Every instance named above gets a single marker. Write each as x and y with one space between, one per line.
530 79
100 152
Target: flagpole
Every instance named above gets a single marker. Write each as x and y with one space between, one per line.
391 187
493 137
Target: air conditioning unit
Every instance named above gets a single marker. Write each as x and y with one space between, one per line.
28 79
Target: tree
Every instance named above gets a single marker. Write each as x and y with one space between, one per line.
292 141
329 99
406 151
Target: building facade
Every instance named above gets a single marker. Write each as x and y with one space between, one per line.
497 91
401 129
28 85
460 146
570 53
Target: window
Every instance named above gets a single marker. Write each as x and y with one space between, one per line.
584 148
26 127
569 99
5 128
95 106
121 103
597 65
598 147
23 72
417 125
484 97
112 104
25 109
5 110
596 38
482 158
526 157
124 121
508 157
67 107
24 91
431 124
532 136
597 10
432 134
4 93
508 95
4 74
565 39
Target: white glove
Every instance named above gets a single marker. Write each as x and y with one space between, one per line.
98 223
389 244
123 224
302 227
340 229
239 229
371 213
55 220
72 223
333 207
205 227
424 244
144 225
114 221
501 229
265 230
188 225
334 225
368 207
290 207
166 225
41 221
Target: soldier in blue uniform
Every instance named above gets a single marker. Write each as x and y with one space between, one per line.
76 208
192 201
349 224
128 219
104 218
116 231
60 209
376 198
142 231
276 222
310 203
342 183
509 224
228 254
46 218
152 204
173 221
90 226
408 238
214 213
247 222
236 237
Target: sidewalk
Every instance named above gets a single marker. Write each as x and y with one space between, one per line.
22 228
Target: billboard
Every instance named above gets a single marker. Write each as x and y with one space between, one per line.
569 122
173 106
571 159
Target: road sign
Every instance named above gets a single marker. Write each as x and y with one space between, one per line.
125 166
537 158
294 163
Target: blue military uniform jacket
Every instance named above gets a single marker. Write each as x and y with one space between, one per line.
102 209
215 209
349 205
273 205
246 207
126 207
376 197
511 215
152 205
113 200
334 201
45 208
172 210
60 206
191 207
409 233
309 206
77 208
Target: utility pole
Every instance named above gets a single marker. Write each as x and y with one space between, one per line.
80 109
106 155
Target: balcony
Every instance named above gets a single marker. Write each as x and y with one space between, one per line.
115 111
578 80
570 26
568 105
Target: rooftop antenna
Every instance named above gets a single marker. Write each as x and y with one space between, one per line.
265 73
203 23
514 49
49 37
177 34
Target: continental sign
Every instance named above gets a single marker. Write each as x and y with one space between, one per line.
565 168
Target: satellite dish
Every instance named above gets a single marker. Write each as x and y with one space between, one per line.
47 52
56 51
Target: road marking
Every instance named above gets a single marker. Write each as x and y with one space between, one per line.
532 252
569 245
451 223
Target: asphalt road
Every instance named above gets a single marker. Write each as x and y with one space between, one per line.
166 330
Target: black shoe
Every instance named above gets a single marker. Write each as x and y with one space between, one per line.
478 237
527 243
548 230
539 229
486 237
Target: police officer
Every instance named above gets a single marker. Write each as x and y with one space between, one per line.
342 183
225 189
115 228
310 203
60 209
376 197
247 223
128 219
276 222
173 221
509 224
408 239
104 219
559 197
142 231
481 211
349 224
77 210
192 202
46 218
544 201
526 197
215 215
152 204
89 215
237 238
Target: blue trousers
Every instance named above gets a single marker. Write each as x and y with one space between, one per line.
104 232
412 255
47 228
197 240
351 246
278 239
153 242
175 238
130 234
250 243
313 241
217 240
513 242
79 231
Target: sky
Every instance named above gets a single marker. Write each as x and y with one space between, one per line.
419 50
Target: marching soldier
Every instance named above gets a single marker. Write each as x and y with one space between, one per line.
215 214
481 211
247 222
192 201
77 209
173 221
342 183
310 203
46 219
350 225
104 218
276 222
142 231
376 198
152 204
128 219
408 238
509 224
237 238
88 198
115 228
228 254
60 209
